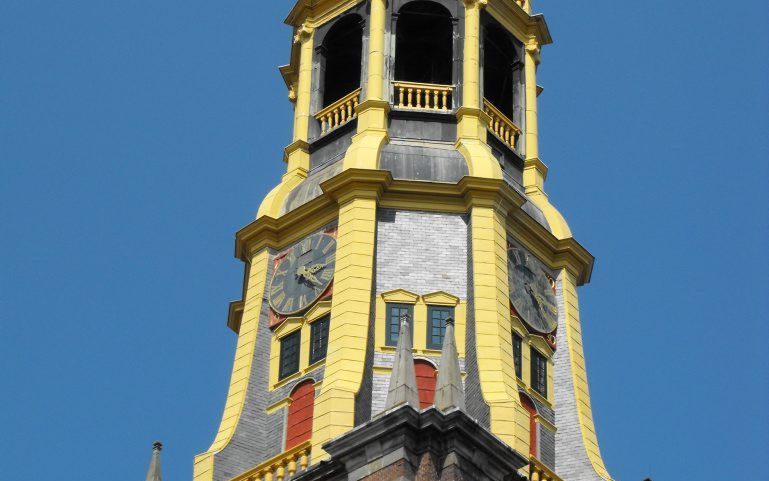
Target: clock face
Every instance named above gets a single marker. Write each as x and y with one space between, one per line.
303 275
531 292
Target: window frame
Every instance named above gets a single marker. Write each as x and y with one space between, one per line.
538 383
450 311
389 306
323 325
282 369
518 354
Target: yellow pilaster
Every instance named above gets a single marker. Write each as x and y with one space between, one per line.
471 120
492 322
579 373
203 469
350 311
371 135
297 155
303 37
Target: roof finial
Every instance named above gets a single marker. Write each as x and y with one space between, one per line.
403 380
153 474
449 390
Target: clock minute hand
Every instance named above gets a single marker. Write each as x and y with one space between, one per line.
316 268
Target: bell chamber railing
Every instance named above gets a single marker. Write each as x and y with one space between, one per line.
282 467
501 126
338 113
423 96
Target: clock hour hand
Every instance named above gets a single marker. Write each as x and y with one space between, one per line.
316 268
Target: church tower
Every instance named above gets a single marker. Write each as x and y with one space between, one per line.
409 249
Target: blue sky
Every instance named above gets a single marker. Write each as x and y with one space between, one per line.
137 137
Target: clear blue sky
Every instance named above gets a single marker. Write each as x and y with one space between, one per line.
137 137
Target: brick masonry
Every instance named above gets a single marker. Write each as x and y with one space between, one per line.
421 252
571 460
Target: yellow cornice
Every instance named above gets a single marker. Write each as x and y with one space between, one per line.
317 12
235 315
415 195
520 23
559 253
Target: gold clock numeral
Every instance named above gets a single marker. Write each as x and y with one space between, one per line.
289 304
328 247
327 274
278 298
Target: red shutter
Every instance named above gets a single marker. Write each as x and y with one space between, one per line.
299 422
529 406
425 382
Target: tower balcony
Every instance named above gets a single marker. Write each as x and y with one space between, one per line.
539 472
501 126
338 113
281 467
423 96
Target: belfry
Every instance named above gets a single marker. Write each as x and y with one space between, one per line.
409 307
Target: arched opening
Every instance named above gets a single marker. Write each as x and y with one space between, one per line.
300 411
341 48
501 70
423 43
426 378
528 404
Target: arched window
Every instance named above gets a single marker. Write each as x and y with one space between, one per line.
425 372
528 404
423 43
341 50
299 420
501 70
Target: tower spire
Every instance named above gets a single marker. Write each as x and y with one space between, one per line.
403 380
449 391
153 473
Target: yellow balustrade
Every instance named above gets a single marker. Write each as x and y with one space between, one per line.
410 95
338 113
501 126
282 467
539 472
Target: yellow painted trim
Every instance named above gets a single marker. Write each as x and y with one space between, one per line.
350 311
440 298
241 372
289 326
275 407
401 296
573 328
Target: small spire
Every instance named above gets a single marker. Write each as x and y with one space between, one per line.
403 380
153 474
449 390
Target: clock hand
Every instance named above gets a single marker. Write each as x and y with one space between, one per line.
316 268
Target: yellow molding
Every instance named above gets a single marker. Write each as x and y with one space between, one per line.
518 22
317 12
440 298
277 406
401 296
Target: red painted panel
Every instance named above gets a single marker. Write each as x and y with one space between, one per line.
529 406
299 421
425 382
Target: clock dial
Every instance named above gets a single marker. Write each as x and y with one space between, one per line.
531 292
303 275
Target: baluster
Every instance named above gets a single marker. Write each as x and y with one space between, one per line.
419 98
410 90
268 475
350 111
344 113
355 104
535 474
445 100
280 472
292 467
303 459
